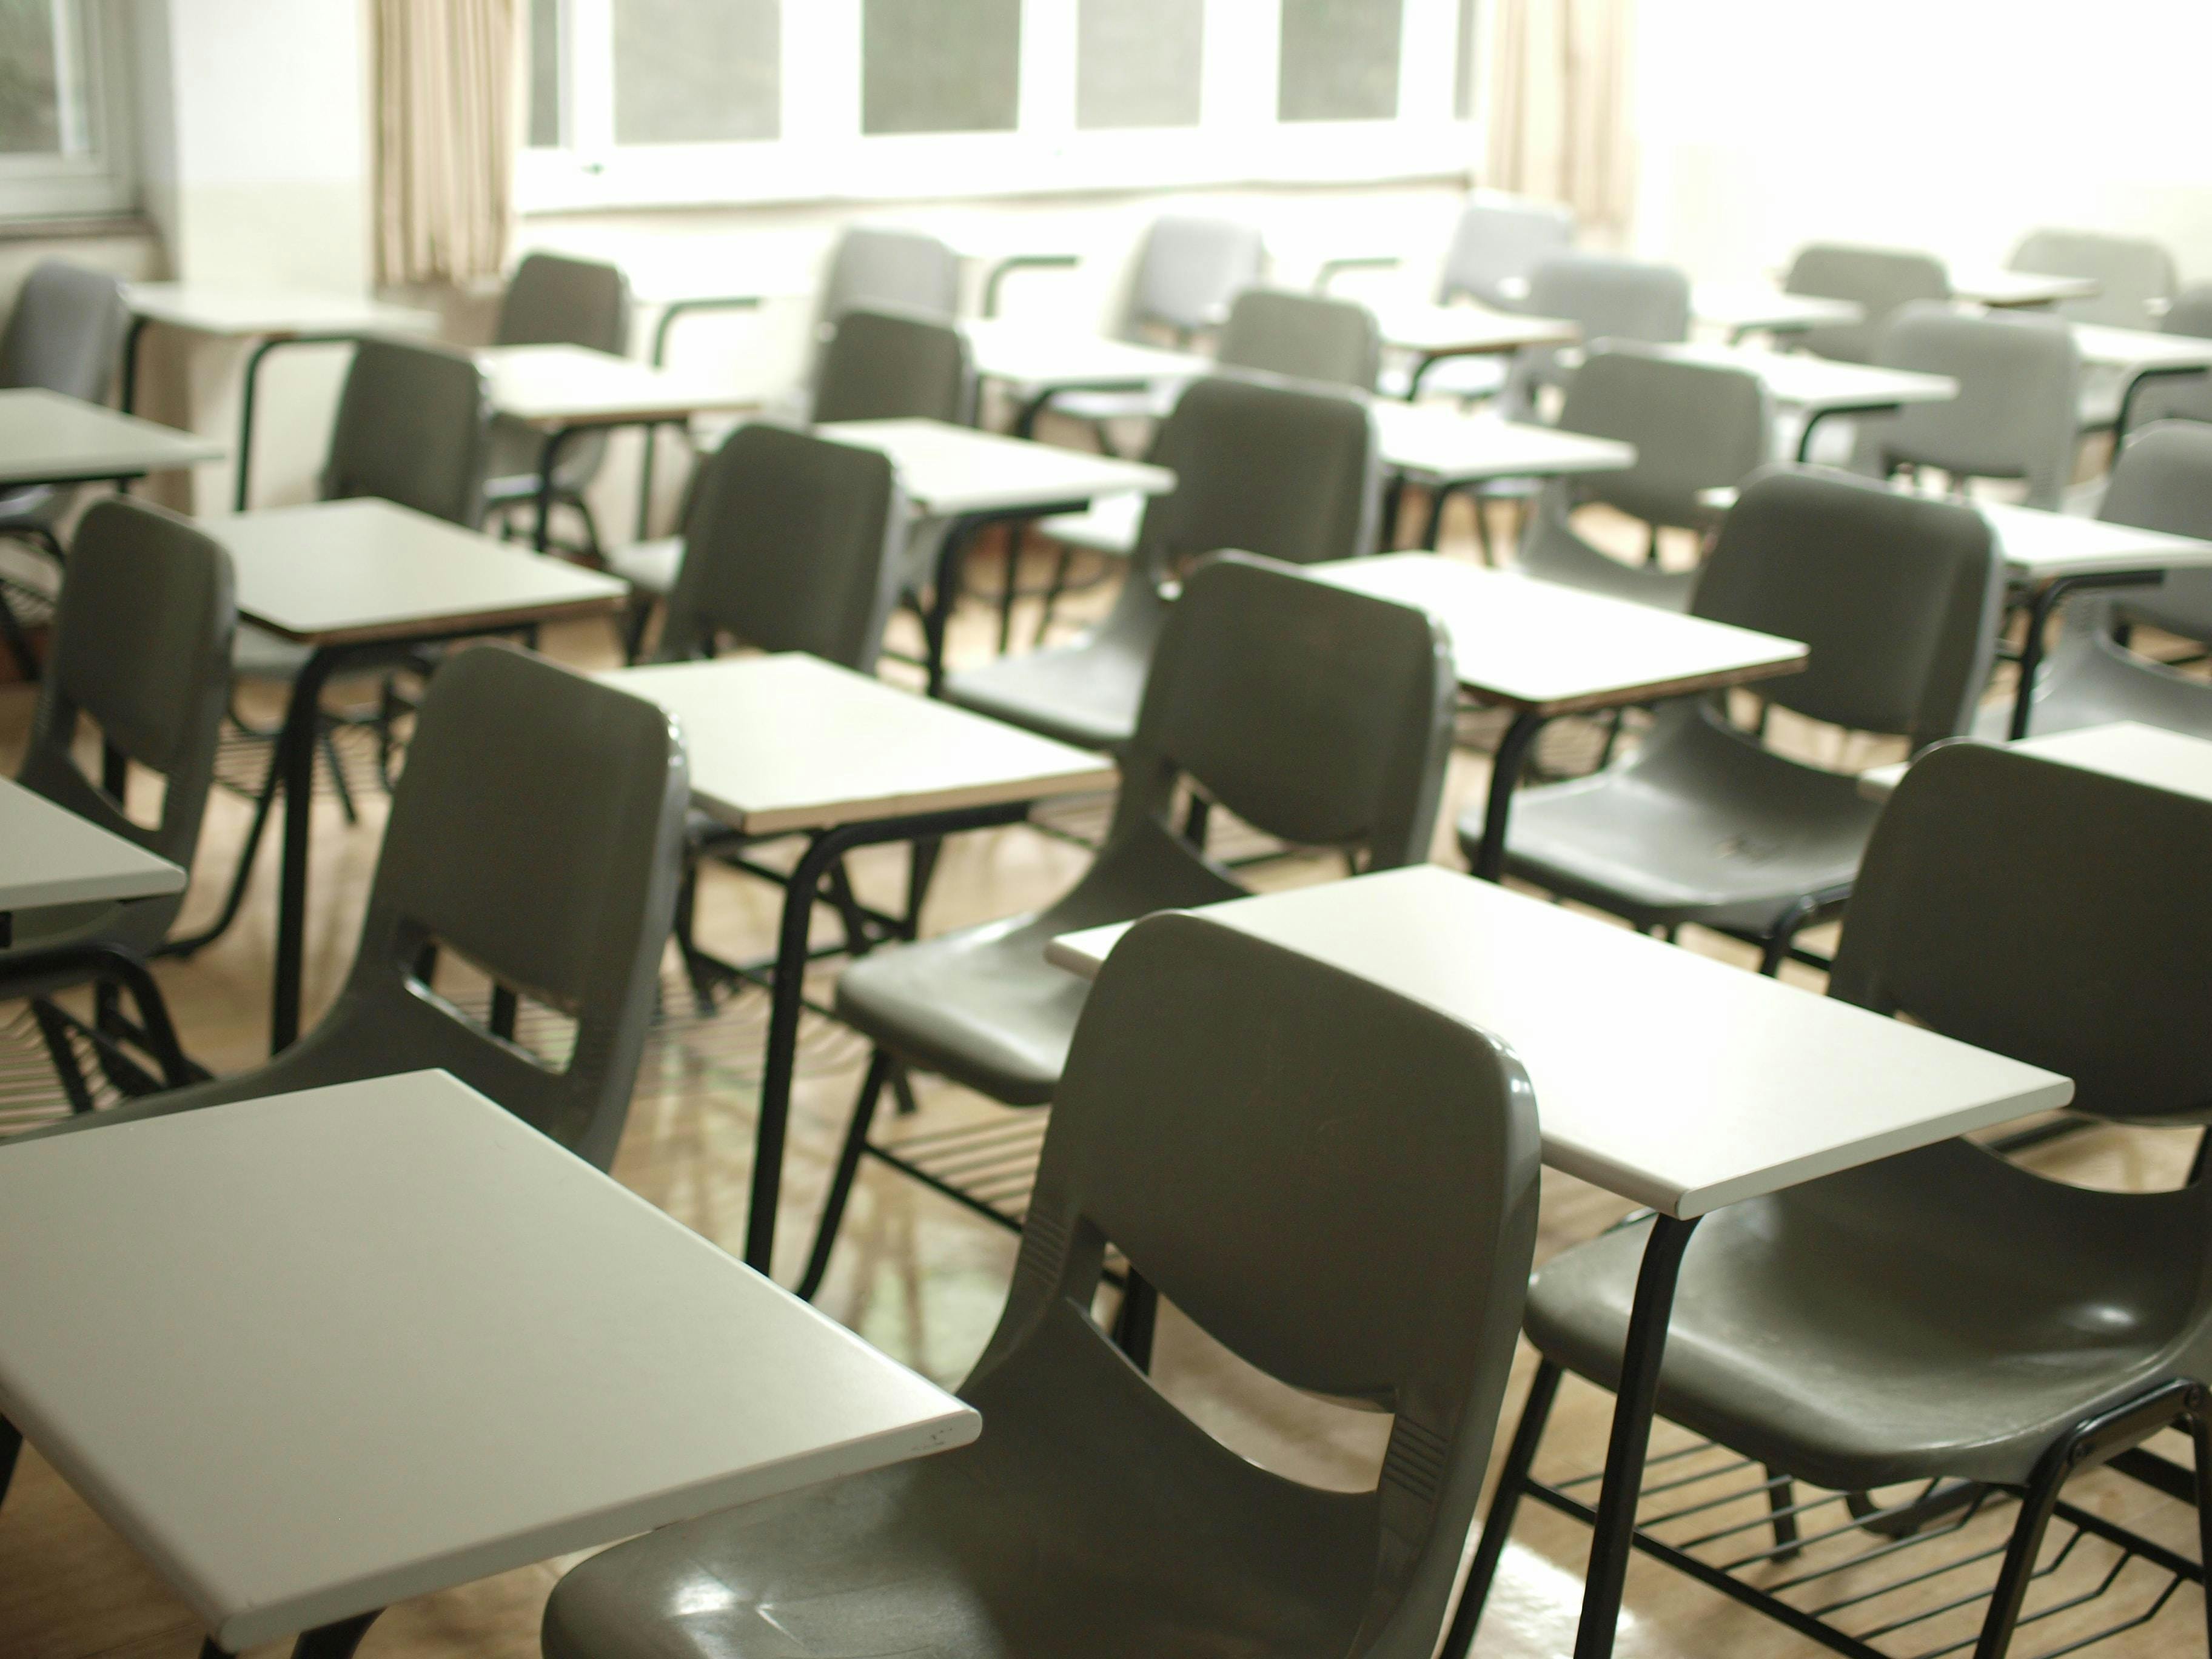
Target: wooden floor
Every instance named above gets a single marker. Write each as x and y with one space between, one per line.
916 1274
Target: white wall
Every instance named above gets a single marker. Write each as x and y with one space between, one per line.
1952 125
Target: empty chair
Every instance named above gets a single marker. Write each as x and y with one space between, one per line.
65 335
2018 378
524 780
1315 714
1093 1518
879 267
1877 279
1695 426
1896 597
2162 480
2135 277
1271 470
2187 397
1496 247
1609 298
554 301
142 650
1946 1312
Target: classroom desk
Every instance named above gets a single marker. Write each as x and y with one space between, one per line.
1741 308
363 582
2125 749
2016 290
1542 650
368 1342
49 439
1035 363
272 317
560 391
1817 387
1432 333
791 745
1712 1086
2138 355
1443 449
963 480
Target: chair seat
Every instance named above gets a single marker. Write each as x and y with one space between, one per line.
650 567
981 1006
517 451
1941 1313
1699 825
1085 694
1110 527
1055 1533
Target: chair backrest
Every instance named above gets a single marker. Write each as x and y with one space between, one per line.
2017 414
1314 713
2187 397
552 300
1188 272
2133 274
1303 336
1878 280
2162 480
538 833
1896 596
791 543
65 333
142 648
877 267
1695 427
1611 298
1288 473
1498 242
1201 1125
414 426
886 364
2043 911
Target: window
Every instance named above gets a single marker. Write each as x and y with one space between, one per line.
645 102
63 147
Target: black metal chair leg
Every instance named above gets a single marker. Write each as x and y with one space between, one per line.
1134 1324
593 546
1782 1504
18 642
849 1165
329 746
2200 1435
848 907
54 1030
11 1445
696 967
1061 562
903 1099
1195 819
235 898
1497 1525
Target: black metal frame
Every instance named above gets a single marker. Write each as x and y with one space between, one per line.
2041 607
670 314
336 1640
103 965
2152 371
1814 417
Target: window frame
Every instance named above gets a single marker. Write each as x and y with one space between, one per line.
101 179
821 154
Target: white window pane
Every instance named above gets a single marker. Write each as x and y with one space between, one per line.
940 66
30 78
545 74
697 71
1137 63
1339 60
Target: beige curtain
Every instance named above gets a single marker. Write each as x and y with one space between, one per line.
1560 122
448 114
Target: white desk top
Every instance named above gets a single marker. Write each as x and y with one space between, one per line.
1032 359
2038 545
559 385
2001 288
1741 307
365 1342
790 741
49 855
949 470
1467 331
46 438
1710 1085
270 312
1560 650
337 572
2139 349
1436 442
2143 754
1812 384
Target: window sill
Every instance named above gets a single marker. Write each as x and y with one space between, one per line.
62 228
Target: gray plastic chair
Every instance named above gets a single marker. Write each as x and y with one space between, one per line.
1695 427
1317 714
1897 598
2162 480
1878 280
1199 1130
2184 398
876 267
2134 275
554 301
65 335
1946 1312
412 428
2016 416
1495 245
536 834
1289 474
1609 298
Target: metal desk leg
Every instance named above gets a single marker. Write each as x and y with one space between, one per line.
335 1641
1805 434
945 595
295 763
1423 363
246 402
128 397
1513 753
1614 1533
548 457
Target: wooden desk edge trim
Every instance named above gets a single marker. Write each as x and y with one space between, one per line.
460 624
1655 691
